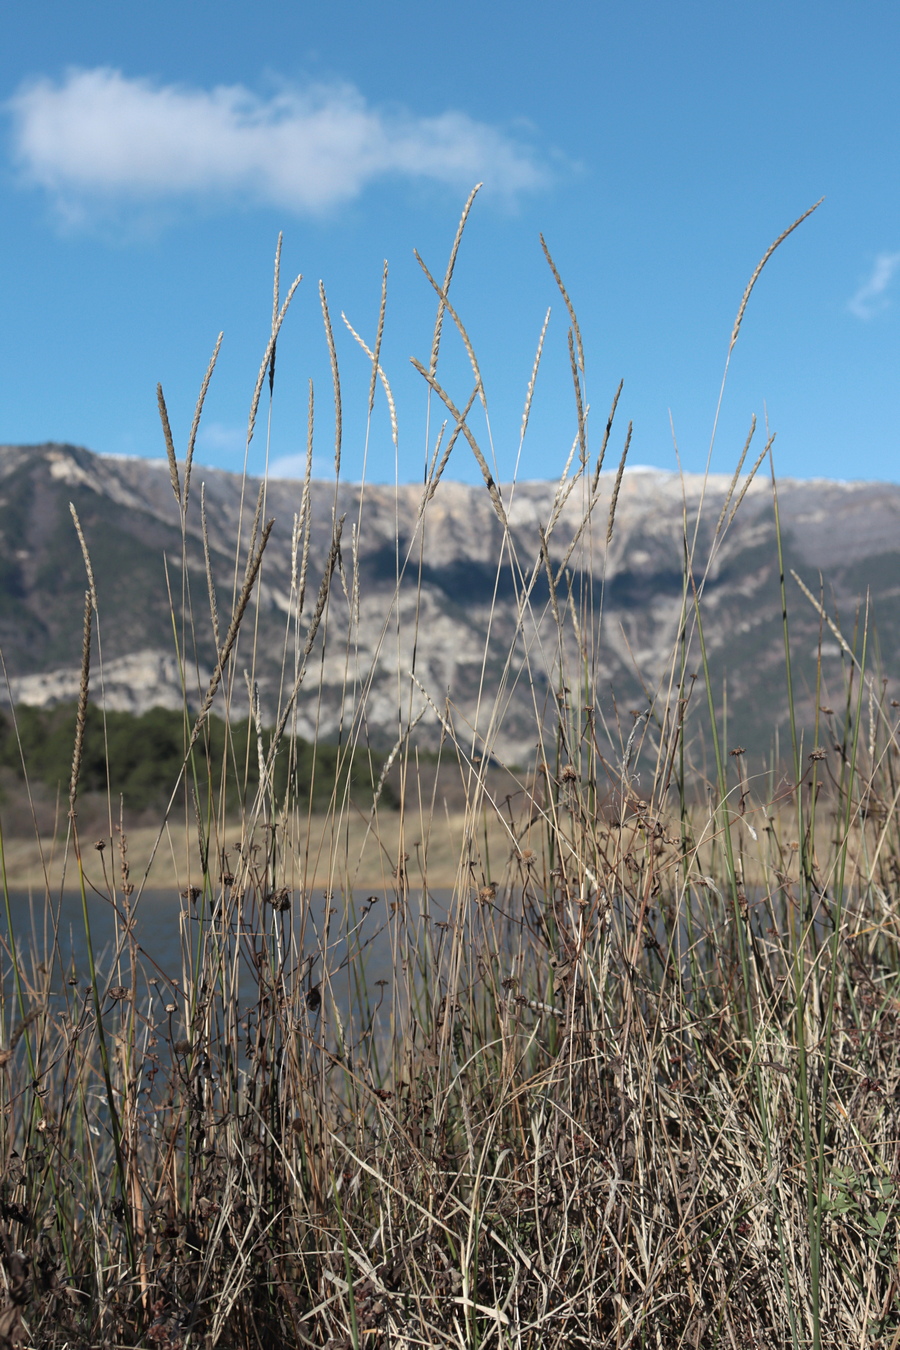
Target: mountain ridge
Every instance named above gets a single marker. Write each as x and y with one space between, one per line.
455 614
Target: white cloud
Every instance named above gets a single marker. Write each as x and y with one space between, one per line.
216 436
98 137
294 466
871 297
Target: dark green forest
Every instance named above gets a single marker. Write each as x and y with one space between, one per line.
138 758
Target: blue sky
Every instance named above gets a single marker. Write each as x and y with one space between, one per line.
150 155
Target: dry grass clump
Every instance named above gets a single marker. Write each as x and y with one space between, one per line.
634 1083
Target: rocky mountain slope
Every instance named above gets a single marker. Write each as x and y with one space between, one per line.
456 617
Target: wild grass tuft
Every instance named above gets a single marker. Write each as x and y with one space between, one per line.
633 1077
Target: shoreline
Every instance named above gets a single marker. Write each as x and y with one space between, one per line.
348 854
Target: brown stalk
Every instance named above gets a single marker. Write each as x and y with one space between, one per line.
253 566
568 303
335 380
170 444
195 424
448 277
493 490
759 267
81 710
615 492
210 583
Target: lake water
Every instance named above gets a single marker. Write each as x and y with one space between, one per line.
319 935
369 932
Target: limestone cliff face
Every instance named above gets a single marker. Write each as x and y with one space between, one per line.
442 591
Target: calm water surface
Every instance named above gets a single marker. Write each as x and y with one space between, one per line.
168 928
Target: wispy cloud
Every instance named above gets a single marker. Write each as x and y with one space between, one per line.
215 436
294 466
99 138
872 294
